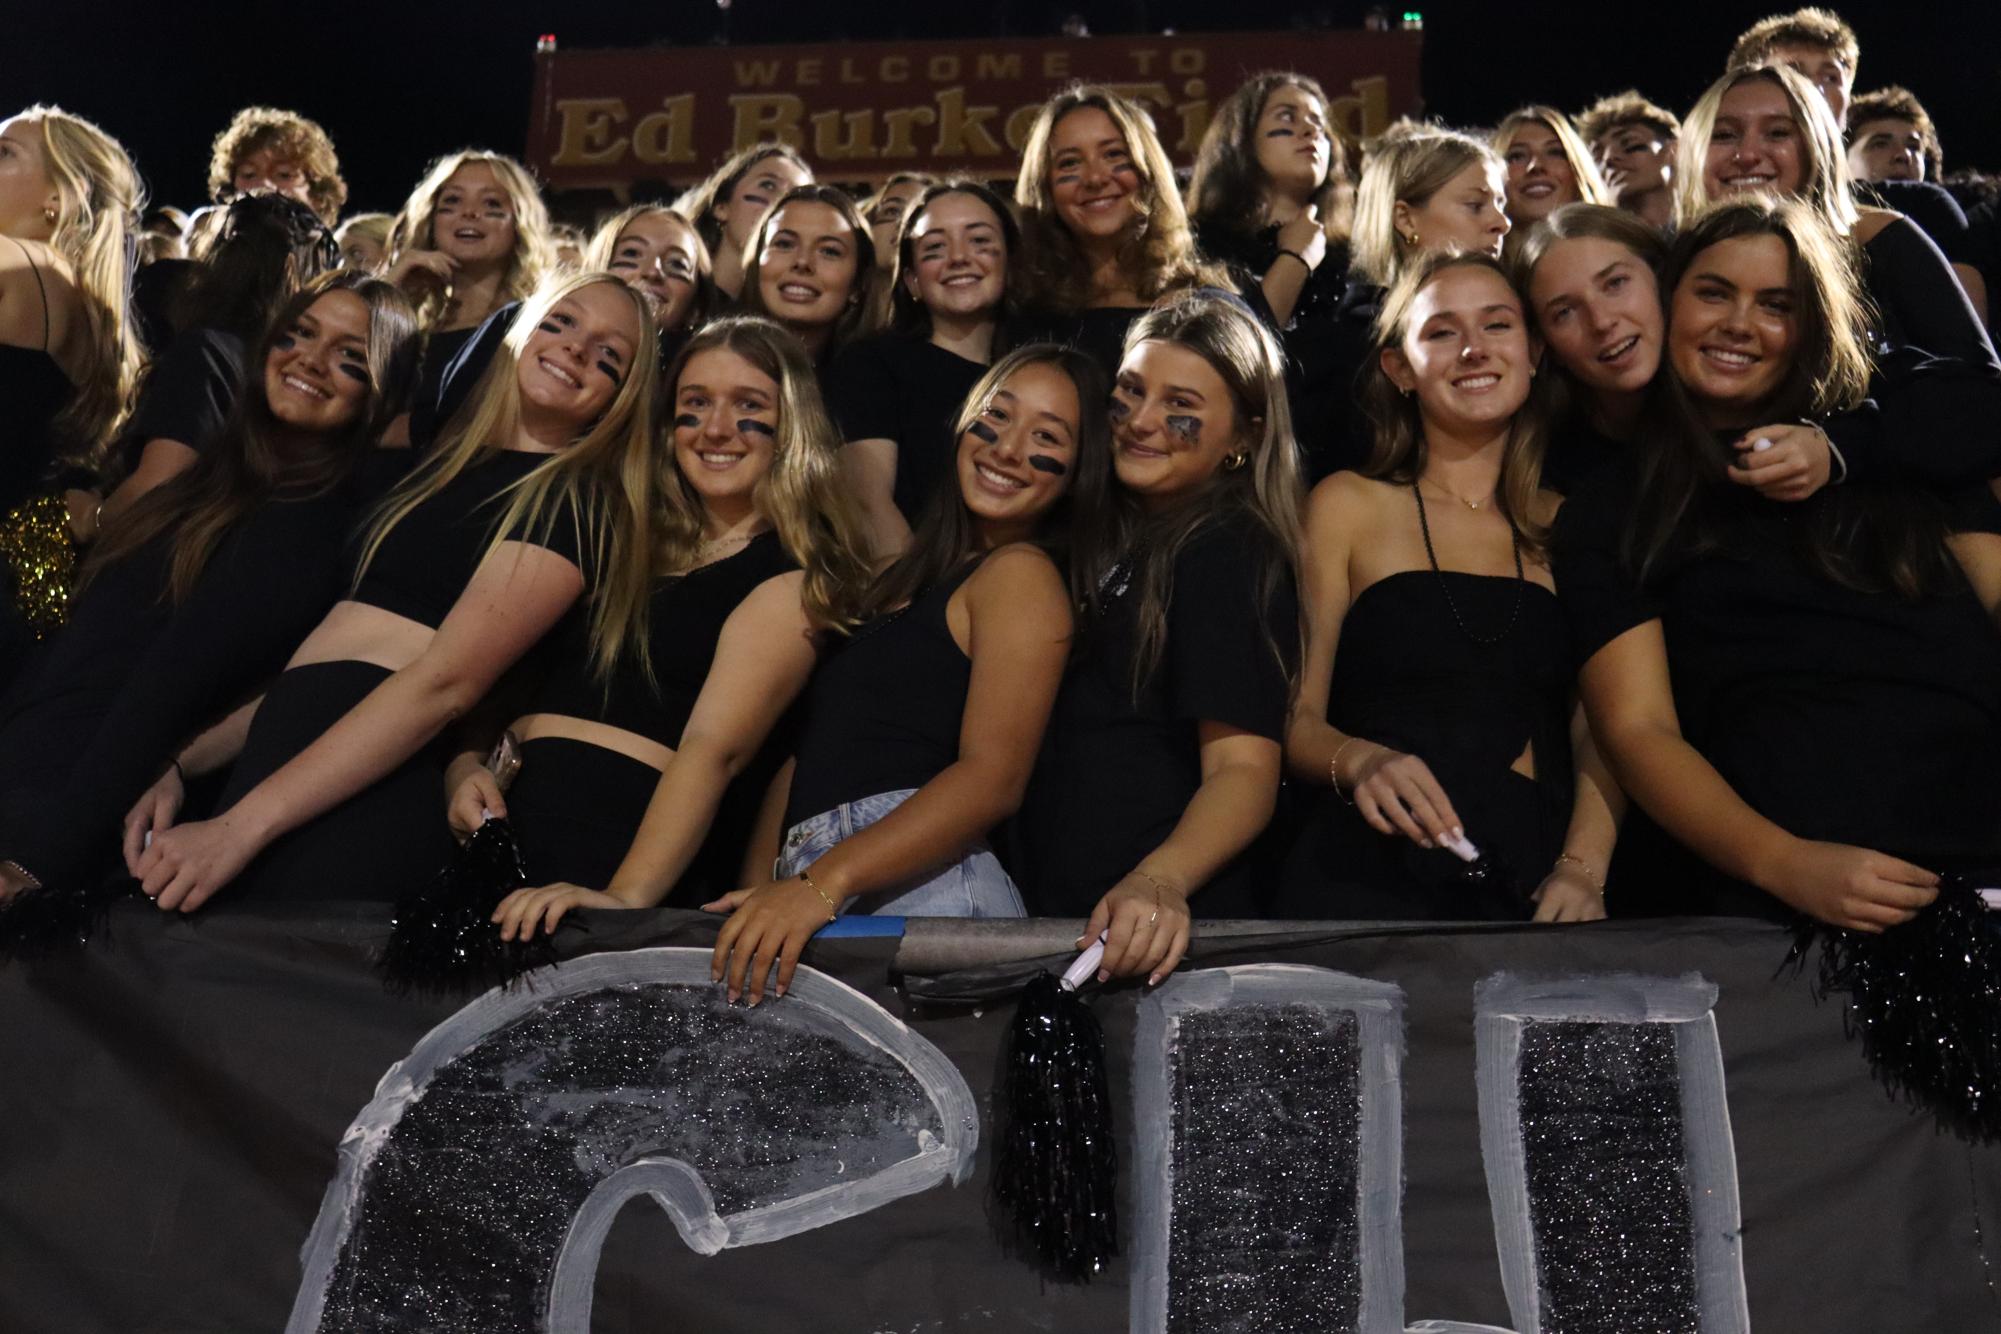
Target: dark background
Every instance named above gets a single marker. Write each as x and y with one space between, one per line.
398 84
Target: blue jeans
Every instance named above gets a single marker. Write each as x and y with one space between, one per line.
973 886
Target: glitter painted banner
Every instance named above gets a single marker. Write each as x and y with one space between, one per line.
1628 1126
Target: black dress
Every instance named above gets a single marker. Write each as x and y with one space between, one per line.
95 716
1839 715
37 553
576 806
905 388
1408 677
1118 767
392 833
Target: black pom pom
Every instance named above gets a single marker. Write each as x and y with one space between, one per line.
444 942
1925 997
1057 1166
36 923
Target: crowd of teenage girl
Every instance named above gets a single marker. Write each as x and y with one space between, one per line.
1569 519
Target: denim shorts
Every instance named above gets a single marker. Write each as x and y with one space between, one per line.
973 886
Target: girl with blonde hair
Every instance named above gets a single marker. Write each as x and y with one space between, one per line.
473 236
646 784
1436 699
537 501
70 204
1548 165
1765 130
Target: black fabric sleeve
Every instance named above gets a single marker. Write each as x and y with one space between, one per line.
861 392
1929 420
1600 596
263 592
1935 212
1219 659
443 388
562 532
1919 297
189 393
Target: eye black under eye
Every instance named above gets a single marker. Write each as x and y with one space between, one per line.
549 326
353 372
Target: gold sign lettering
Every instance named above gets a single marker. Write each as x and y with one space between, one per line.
900 125
991 66
857 143
761 116
1367 112
667 135
585 138
756 73
962 129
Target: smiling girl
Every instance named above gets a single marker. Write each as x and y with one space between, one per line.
539 496
198 592
921 731
1766 131
625 773
1107 235
727 207
1806 700
1436 695
1162 763
897 396
811 267
1548 165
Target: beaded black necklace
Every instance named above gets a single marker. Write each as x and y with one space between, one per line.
1514 611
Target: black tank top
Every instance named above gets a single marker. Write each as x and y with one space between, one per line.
684 624
427 560
883 713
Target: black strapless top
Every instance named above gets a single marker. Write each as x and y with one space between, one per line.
1407 676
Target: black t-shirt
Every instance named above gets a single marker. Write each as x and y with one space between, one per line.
425 562
1117 771
904 388
1853 717
1918 297
1321 351
1934 210
189 393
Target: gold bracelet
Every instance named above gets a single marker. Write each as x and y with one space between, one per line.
1334 769
1583 870
832 910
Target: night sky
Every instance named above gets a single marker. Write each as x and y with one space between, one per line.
397 84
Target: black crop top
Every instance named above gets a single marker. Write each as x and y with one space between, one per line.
883 714
684 624
427 560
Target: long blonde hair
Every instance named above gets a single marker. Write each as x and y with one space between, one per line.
1591 187
534 256
1160 253
99 203
1825 185
602 249
804 496
1408 164
1399 451
602 482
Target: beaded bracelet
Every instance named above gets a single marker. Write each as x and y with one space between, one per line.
1582 870
832 911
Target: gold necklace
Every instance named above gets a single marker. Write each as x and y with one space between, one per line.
1473 505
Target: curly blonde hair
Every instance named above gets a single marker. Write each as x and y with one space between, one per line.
286 135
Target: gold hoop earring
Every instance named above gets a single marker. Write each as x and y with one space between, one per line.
1236 460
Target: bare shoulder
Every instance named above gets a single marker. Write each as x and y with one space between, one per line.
1017 566
1979 554
1348 495
37 295
1871 221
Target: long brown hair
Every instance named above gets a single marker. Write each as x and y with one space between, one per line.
1883 540
246 466
906 313
858 317
1159 254
698 203
804 496
1265 494
1399 451
946 537
602 250
1226 194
